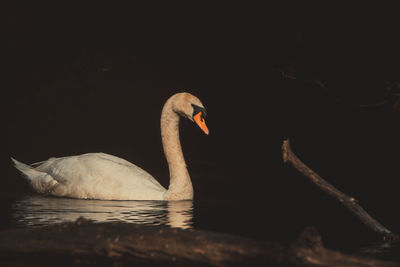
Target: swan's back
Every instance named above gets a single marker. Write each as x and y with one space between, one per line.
94 176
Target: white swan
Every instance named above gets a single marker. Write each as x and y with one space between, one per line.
103 176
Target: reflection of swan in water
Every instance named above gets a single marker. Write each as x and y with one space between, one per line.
180 214
38 210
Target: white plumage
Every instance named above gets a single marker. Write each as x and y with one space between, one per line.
107 177
93 176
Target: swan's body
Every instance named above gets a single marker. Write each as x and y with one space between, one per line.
103 176
93 176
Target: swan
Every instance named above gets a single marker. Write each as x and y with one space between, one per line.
106 177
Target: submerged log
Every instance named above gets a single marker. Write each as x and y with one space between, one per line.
85 243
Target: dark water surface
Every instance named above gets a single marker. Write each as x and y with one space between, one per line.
39 210
251 219
230 198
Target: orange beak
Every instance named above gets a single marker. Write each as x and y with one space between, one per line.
201 122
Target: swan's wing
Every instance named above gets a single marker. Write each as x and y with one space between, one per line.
99 172
122 163
111 158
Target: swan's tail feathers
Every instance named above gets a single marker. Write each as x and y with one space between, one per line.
22 167
40 181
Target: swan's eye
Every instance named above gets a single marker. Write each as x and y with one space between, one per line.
201 110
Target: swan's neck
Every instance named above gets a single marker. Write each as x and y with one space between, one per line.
180 186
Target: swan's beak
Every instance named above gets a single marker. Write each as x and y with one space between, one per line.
198 118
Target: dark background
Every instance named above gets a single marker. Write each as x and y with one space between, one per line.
93 76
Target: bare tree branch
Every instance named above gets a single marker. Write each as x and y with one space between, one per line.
349 202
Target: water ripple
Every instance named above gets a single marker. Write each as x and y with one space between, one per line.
39 210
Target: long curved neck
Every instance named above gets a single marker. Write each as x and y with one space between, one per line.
180 186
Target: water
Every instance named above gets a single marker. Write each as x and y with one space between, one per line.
40 211
275 207
241 217
262 219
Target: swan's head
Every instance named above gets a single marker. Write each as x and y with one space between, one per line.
189 106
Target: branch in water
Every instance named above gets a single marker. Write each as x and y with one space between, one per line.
349 202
